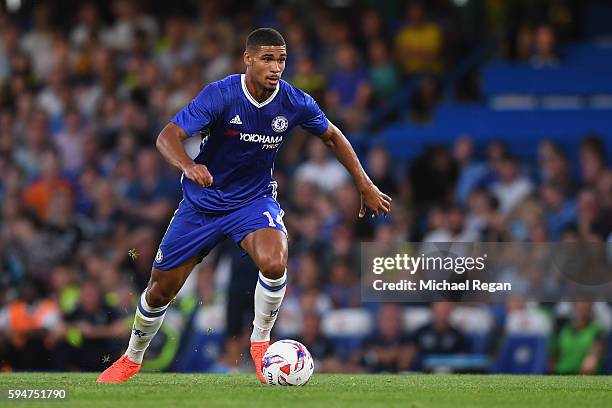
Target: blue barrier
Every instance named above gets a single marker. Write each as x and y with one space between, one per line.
522 354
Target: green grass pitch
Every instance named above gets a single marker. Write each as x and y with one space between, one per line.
242 390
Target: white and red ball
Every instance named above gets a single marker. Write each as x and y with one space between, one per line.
287 362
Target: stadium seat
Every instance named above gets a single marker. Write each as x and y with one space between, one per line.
415 317
529 321
202 351
522 354
477 324
347 329
203 347
585 69
464 363
507 78
521 129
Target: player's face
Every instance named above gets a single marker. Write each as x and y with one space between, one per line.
266 65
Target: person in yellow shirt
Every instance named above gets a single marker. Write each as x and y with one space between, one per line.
419 43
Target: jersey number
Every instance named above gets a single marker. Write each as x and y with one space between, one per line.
279 219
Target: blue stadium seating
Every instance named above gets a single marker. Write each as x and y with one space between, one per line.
522 354
465 363
504 78
345 345
200 353
586 69
521 129
479 343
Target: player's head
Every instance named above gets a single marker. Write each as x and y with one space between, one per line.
265 56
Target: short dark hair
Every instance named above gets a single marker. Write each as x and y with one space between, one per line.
263 37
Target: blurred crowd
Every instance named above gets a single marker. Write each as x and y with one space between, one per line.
85 197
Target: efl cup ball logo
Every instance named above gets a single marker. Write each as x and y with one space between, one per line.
160 256
280 124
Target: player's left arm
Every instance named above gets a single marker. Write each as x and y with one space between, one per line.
371 197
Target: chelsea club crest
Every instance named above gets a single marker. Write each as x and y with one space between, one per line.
280 124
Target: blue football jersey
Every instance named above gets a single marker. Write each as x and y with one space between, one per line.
240 139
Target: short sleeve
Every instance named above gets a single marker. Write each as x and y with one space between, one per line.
313 118
202 111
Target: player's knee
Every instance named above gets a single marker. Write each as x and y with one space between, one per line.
157 297
273 268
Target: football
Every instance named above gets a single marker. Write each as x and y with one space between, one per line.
287 362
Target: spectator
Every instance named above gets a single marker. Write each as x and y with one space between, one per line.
9 49
387 350
424 99
471 173
380 171
452 229
591 225
561 212
544 48
218 60
40 195
319 163
321 348
433 176
94 331
437 337
482 217
30 323
307 78
554 167
372 27
151 195
37 141
523 43
579 345
592 159
349 88
70 143
419 42
512 188
343 287
38 42
301 49
383 74
175 47
128 20
88 26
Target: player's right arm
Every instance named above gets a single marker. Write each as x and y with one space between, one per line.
169 143
199 114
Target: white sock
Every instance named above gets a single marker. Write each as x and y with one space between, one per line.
146 323
269 294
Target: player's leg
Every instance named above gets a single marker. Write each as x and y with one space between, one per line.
162 288
152 304
188 238
258 228
268 249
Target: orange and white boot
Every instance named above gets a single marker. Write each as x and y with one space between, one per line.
122 370
258 349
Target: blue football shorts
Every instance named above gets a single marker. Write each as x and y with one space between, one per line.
192 232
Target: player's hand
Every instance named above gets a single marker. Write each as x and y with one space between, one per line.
374 200
198 173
